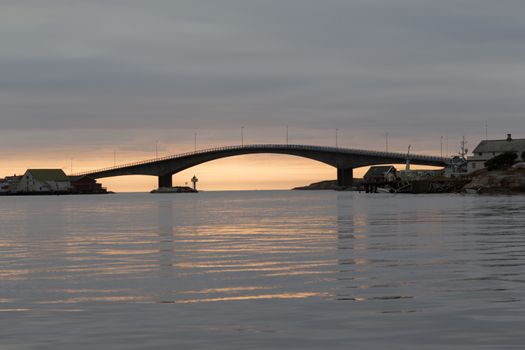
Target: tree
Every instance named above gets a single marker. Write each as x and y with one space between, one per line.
503 161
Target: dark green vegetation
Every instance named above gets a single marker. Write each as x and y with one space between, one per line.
502 161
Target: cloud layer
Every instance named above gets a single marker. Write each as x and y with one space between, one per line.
139 70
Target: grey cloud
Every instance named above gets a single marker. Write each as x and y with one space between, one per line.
407 66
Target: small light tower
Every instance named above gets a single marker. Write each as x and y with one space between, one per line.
194 180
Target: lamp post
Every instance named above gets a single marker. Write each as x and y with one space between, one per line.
242 135
441 145
286 135
336 138
157 149
195 141
386 141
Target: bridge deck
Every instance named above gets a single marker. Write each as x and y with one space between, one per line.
270 147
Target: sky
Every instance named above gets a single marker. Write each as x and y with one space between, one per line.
86 84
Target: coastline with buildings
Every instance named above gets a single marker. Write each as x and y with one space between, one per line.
48 182
496 167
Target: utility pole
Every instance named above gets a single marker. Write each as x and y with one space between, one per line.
195 141
441 145
464 149
242 135
336 136
71 165
486 130
286 135
157 149
386 141
114 157
407 167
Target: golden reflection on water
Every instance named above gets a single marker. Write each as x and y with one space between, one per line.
15 310
126 298
224 290
251 297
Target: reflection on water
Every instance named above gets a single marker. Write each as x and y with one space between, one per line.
317 269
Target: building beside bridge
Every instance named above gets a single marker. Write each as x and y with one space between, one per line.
381 174
49 181
86 185
44 180
488 149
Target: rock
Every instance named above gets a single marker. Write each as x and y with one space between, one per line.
176 189
330 185
501 181
322 185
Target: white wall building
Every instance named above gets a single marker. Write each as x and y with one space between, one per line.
488 149
44 180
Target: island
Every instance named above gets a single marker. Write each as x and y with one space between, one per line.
176 189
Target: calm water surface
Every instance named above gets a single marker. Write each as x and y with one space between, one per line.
269 269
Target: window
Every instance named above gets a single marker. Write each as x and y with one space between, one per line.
473 165
480 154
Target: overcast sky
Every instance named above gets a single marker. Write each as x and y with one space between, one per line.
88 74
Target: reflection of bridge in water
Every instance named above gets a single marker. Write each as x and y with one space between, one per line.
344 159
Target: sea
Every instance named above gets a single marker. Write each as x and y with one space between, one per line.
262 270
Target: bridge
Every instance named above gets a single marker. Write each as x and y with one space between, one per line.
344 159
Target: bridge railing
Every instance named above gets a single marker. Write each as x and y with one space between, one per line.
268 146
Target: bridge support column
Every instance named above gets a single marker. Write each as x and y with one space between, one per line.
345 177
165 181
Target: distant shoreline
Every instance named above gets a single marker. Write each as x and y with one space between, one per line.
12 194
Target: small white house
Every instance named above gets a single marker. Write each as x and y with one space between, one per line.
44 180
488 149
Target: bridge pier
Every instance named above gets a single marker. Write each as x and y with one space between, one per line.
345 177
165 181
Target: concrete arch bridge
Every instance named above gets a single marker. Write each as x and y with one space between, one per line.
343 159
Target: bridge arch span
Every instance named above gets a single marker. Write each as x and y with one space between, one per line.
344 159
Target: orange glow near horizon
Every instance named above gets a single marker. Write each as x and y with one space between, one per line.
246 172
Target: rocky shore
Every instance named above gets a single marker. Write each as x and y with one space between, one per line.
330 185
176 189
510 181
322 185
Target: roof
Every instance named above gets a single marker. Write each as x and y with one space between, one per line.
379 170
82 179
48 174
514 145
